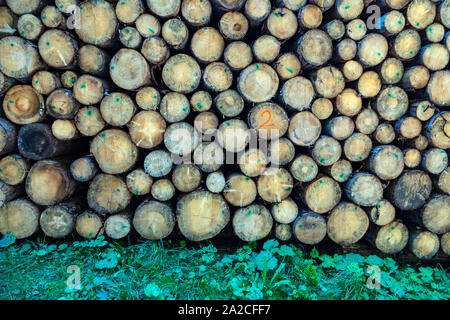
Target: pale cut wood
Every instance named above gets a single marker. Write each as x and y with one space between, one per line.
153 220
347 224
29 26
181 73
275 184
326 151
14 169
89 121
186 177
84 169
148 98
297 93
266 48
196 13
108 194
322 194
238 55
304 168
240 191
252 223
253 162
364 189
89 225
387 162
58 221
287 66
281 151
390 238
117 226
45 82
22 104
163 190
383 213
285 211
217 77
282 23
20 218
310 227
411 190
304 128
117 109
207 45
423 244
139 182
283 232
435 214
269 120
130 38
129 70
215 182
335 29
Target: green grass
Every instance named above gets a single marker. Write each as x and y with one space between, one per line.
166 270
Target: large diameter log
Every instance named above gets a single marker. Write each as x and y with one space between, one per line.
390 238
240 191
153 220
435 215
364 189
310 228
117 226
49 182
23 105
322 195
13 169
59 221
387 162
89 225
436 88
18 58
98 24
258 82
275 184
57 48
207 45
129 70
411 190
269 120
202 215
181 73
347 224
252 223
423 244
114 151
36 141
20 218
108 194
314 48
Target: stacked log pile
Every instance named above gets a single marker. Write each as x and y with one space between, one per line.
290 118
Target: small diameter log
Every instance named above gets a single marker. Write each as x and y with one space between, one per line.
372 49
347 224
391 71
392 103
8 137
314 48
108 194
148 98
253 162
13 169
209 156
436 88
266 48
240 191
412 157
147 129
348 102
233 25
117 226
215 182
202 215
99 23
89 121
435 32
275 184
326 151
201 101
434 56
357 147
346 50
281 151
445 243
387 162
233 135
89 225
18 58
181 139
285 211
423 244
415 77
238 55
58 49
384 134
310 16
229 103
411 190
207 45
130 38
89 90
282 23
22 104
158 163
340 128
438 130
68 79
163 190
310 228
8 193
128 12
181 73
369 84
58 221
383 213
257 11
196 13
252 223
61 104
304 128
93 60
36 141
186 177
45 82
20 218
408 127
217 77
269 120
227 5
421 143
392 23
148 25
422 110
443 181
8 21
322 195
29 26
390 238
435 160
258 82
49 182
283 232
53 18
153 220
341 170
84 169
297 93
335 29
304 168
328 82
129 70
406 44
175 33
114 151
348 10
206 122
435 215
164 8
117 109
139 182
287 66
174 107
64 130
421 13
356 29
322 108
364 189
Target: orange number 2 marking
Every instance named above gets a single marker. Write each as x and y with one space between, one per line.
266 124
